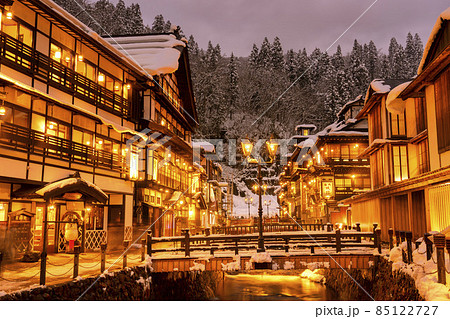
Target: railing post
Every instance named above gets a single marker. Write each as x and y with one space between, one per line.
375 239
329 227
207 233
375 225
236 247
447 244
149 243
76 261
378 234
408 235
402 236
142 249
187 251
439 242
103 258
358 229
391 238
338 240
429 244
312 249
286 245
397 238
125 248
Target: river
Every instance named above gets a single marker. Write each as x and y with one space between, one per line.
248 287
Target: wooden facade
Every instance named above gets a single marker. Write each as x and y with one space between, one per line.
325 169
70 102
409 147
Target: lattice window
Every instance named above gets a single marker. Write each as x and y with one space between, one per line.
128 233
94 238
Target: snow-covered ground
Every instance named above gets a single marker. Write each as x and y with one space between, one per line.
240 207
423 272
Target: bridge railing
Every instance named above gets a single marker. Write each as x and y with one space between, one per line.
268 227
331 238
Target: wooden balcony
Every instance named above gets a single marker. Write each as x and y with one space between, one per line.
23 58
17 137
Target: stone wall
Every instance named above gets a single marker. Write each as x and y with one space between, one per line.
379 282
135 283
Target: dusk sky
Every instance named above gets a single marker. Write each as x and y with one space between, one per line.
237 24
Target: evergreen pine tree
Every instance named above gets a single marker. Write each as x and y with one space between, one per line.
265 53
254 57
193 46
158 24
338 60
277 56
290 65
371 60
233 78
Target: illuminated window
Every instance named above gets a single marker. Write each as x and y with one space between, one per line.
400 161
3 212
398 125
134 165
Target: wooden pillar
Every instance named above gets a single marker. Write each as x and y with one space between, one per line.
187 251
378 235
149 243
408 235
103 258
286 245
126 243
429 244
397 238
358 229
338 240
439 242
391 238
44 247
76 261
143 249
236 247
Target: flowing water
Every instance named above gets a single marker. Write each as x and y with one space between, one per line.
246 287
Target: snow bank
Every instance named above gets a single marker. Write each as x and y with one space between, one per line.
423 271
261 258
233 266
288 265
148 263
315 265
197 267
314 276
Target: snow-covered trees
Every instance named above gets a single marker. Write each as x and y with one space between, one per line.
105 18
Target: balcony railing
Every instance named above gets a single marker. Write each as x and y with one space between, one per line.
16 54
52 146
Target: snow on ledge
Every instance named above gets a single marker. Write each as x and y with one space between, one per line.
157 54
393 103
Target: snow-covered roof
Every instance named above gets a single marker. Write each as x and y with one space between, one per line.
438 25
155 53
380 86
359 97
394 104
64 183
311 126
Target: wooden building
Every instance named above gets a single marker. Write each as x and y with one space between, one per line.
410 146
325 168
73 104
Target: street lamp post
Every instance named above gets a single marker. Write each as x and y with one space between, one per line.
267 203
248 201
247 147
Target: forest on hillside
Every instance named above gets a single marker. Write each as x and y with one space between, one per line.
271 90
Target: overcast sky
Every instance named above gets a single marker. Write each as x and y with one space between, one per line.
237 24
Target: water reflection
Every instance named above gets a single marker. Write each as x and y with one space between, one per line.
246 287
